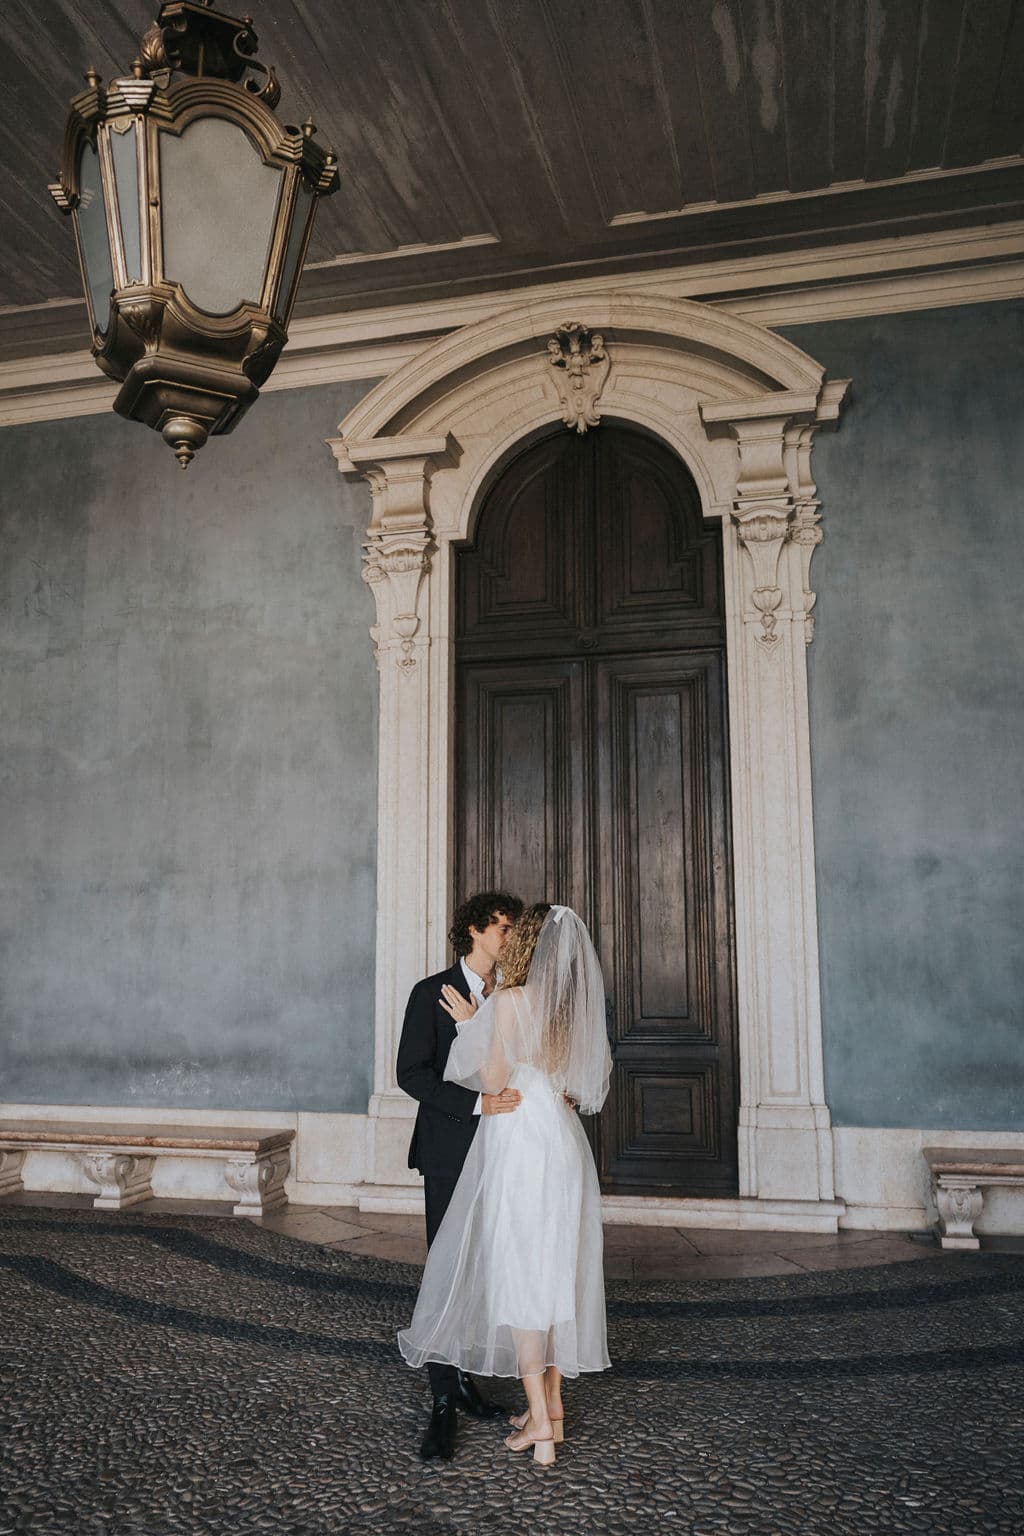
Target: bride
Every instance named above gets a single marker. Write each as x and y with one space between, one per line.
514 1284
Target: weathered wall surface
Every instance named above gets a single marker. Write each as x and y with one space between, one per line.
917 719
187 828
188 780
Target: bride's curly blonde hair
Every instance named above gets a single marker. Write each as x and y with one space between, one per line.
517 951
516 960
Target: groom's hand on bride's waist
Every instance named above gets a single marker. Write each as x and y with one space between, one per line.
500 1103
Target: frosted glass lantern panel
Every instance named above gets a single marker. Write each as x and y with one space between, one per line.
219 205
296 241
126 174
92 238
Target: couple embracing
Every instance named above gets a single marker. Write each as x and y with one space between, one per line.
500 1050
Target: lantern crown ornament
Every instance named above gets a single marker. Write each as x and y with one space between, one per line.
193 206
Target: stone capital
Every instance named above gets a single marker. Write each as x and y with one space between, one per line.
398 470
399 540
776 498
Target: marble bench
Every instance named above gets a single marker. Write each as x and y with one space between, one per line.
119 1158
959 1175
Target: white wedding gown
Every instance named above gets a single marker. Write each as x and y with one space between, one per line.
514 1278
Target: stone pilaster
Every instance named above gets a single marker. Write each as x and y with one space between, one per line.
399 550
785 1127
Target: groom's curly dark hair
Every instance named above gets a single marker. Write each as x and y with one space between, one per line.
479 911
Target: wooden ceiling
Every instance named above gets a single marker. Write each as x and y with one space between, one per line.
490 143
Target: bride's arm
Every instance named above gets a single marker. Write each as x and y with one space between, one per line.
478 1057
496 1069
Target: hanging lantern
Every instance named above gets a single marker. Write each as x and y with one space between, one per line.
192 204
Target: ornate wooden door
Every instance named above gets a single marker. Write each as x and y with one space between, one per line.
591 758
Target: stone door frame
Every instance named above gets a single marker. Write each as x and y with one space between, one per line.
740 406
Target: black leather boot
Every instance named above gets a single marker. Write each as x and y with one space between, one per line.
439 1439
470 1401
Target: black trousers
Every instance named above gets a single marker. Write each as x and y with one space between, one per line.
437 1192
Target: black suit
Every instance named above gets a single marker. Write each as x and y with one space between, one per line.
445 1122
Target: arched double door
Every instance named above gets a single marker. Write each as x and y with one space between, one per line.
591 755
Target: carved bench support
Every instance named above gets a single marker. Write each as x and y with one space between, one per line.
11 1164
123 1179
958 1178
959 1205
258 1182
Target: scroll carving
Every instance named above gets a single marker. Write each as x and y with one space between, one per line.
581 366
259 1184
399 541
805 531
395 565
776 500
123 1178
763 533
959 1206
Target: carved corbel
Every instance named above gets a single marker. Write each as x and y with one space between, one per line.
581 364
762 511
394 570
399 541
763 531
776 499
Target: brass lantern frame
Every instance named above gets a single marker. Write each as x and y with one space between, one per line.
184 371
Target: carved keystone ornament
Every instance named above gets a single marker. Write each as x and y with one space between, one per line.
581 367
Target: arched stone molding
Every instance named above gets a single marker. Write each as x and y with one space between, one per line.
740 406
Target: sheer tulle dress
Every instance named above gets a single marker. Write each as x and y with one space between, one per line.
514 1278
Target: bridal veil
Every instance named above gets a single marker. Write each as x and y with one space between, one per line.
563 1032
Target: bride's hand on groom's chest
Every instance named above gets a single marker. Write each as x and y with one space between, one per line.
455 1005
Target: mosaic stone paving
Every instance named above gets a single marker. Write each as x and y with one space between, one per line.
172 1374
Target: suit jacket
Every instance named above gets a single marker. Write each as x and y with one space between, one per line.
445 1124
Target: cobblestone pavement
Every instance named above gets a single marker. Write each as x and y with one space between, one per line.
170 1374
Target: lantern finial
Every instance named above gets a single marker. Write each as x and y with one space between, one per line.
185 435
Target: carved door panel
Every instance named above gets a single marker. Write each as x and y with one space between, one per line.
665 921
592 768
520 787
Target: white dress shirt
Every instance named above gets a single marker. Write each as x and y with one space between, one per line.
476 988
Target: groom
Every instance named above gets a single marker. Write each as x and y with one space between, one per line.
447 1118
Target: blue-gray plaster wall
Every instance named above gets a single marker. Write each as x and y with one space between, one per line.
188 781
917 719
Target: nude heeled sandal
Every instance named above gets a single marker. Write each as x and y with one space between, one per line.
543 1450
518 1421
